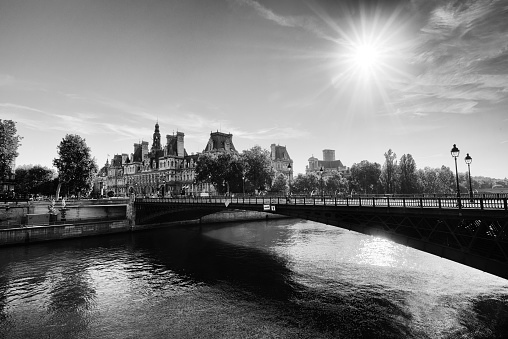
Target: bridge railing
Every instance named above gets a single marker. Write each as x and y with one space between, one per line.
367 201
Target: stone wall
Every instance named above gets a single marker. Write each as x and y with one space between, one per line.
24 235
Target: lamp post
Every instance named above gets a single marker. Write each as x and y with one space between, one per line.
243 183
468 161
289 178
455 153
321 170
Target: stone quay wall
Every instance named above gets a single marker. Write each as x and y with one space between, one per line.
85 218
25 235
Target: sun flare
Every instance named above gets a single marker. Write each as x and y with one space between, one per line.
366 56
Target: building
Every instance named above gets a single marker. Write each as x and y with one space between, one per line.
328 164
281 161
220 142
167 170
162 170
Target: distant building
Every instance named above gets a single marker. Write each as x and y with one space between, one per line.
281 160
220 142
328 164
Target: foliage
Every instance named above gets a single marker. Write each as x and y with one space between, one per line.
336 183
389 171
407 175
33 180
258 170
365 176
220 169
305 183
224 169
9 143
280 184
76 167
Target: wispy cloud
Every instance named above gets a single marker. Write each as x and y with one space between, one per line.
463 53
308 23
272 133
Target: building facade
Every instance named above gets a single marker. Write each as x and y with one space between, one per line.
281 161
163 170
329 164
167 170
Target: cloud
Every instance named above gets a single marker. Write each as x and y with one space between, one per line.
462 51
272 133
9 106
308 23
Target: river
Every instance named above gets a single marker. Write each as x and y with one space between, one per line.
267 279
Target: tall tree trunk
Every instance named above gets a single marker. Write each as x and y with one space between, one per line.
58 190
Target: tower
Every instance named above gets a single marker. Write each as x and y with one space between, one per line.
156 144
329 155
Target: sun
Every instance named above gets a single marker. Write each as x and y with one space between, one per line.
366 56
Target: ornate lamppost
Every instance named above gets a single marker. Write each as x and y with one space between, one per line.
468 161
321 170
289 178
455 153
243 183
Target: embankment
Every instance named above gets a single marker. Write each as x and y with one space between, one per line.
118 222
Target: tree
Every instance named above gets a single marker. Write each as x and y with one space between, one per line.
305 183
33 179
446 180
280 184
221 169
407 172
9 143
389 172
76 167
336 183
365 176
258 167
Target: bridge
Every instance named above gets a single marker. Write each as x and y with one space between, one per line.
473 232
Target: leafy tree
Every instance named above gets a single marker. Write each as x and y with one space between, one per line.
389 172
407 172
258 167
280 184
225 169
446 180
336 183
9 143
222 169
76 167
33 179
365 176
305 183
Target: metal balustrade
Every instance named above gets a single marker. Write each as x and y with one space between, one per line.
481 203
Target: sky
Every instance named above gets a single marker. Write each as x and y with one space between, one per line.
358 77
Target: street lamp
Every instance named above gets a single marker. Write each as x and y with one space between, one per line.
321 172
455 153
468 161
243 183
289 178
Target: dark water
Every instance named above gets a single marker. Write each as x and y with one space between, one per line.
276 279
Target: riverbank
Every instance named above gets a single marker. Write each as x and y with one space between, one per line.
40 233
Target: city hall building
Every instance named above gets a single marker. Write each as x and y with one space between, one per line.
162 170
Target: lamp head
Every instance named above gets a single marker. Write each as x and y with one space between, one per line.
455 151
468 159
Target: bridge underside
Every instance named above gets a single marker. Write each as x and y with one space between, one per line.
473 238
